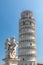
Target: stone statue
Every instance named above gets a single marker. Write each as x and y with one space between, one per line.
11 47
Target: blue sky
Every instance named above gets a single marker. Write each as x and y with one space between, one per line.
9 18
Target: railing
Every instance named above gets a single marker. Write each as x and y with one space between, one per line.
27 27
26 31
29 55
27 47
27 19
30 40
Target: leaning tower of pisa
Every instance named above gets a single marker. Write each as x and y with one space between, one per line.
27 39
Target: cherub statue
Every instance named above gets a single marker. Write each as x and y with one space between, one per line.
11 47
